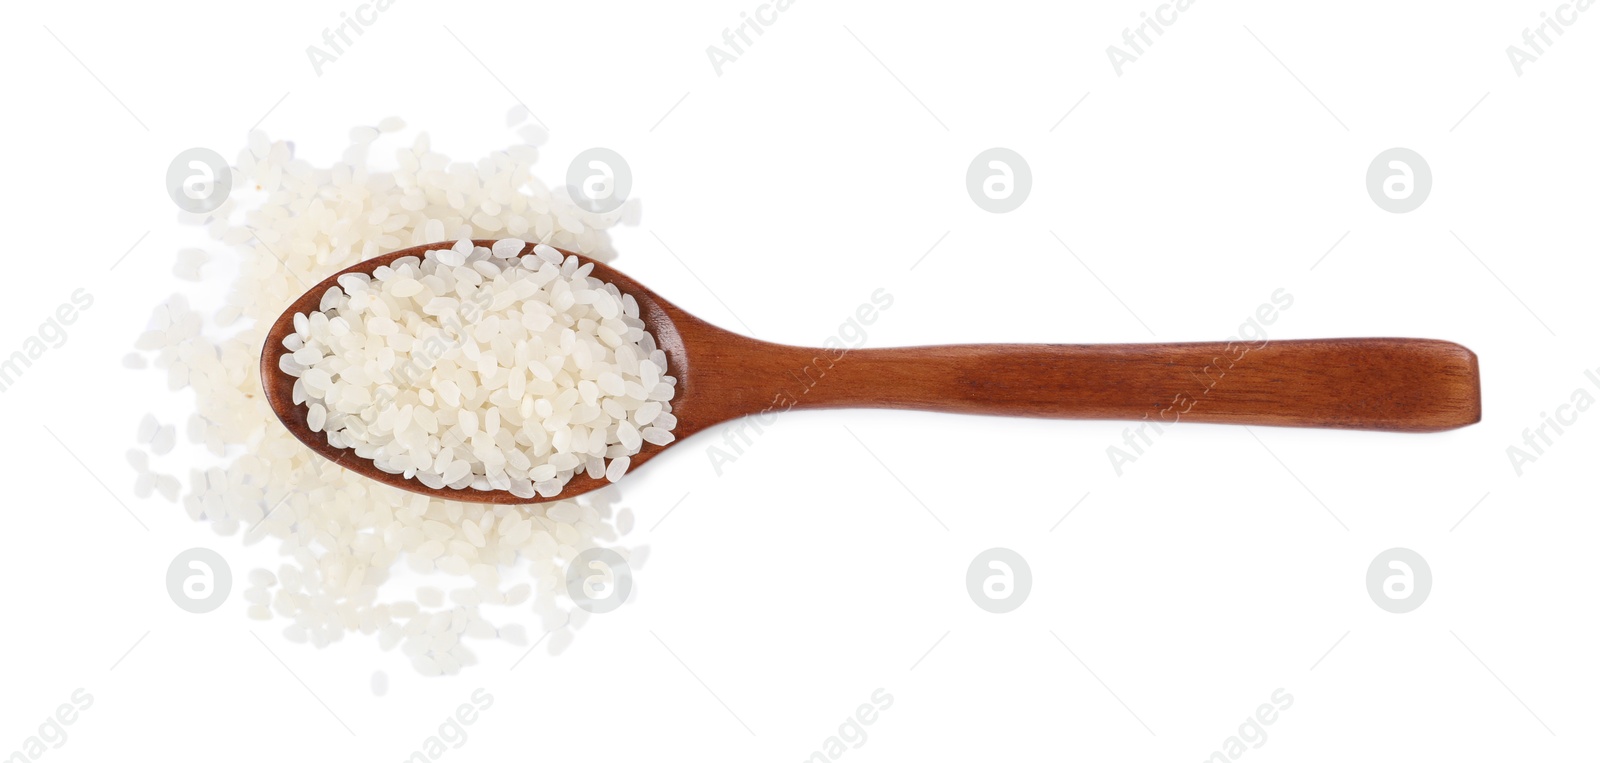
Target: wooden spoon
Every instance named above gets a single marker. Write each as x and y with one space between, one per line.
1402 385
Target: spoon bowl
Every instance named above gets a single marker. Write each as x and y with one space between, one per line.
1403 385
661 318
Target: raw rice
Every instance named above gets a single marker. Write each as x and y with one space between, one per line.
342 538
474 367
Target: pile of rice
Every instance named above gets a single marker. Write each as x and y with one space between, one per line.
472 366
341 535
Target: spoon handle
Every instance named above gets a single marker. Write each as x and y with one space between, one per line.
1407 385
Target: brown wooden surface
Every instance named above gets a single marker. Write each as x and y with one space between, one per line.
1402 385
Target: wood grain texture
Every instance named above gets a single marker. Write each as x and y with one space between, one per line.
1401 385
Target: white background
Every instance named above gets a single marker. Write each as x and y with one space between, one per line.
819 166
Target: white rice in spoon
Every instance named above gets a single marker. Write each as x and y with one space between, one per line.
472 367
